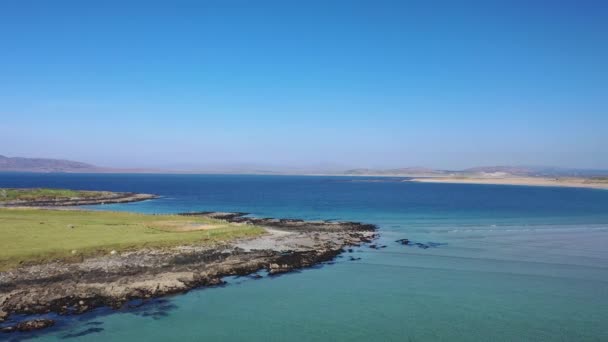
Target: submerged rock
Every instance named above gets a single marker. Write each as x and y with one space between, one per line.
374 246
85 332
427 245
35 324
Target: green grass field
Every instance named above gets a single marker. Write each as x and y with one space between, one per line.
47 194
30 236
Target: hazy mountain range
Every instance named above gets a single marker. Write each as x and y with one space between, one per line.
42 165
57 165
20 164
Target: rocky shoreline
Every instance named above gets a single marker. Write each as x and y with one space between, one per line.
109 198
74 288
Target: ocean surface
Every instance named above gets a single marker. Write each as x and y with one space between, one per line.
505 263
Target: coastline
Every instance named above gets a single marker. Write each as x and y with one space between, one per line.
573 182
520 181
106 198
112 280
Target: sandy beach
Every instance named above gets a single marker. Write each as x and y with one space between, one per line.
526 181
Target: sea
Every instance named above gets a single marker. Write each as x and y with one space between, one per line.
486 263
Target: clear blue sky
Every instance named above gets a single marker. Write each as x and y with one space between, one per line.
356 83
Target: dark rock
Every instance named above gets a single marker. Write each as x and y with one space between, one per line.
35 324
287 224
296 260
427 245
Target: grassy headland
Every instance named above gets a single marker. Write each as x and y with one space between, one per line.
64 197
7 195
30 236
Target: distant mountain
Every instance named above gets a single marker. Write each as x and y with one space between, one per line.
60 165
43 165
414 171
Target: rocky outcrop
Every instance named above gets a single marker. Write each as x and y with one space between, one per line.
286 224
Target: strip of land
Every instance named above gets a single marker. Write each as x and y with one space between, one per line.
71 261
35 236
594 183
39 197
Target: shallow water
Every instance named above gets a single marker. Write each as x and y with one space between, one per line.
511 264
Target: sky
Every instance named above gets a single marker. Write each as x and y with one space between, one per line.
192 84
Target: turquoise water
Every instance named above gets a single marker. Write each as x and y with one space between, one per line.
512 264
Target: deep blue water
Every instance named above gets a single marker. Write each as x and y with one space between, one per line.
513 263
324 197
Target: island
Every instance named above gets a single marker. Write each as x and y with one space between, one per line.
71 261
40 197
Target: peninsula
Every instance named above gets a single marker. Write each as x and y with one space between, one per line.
40 197
72 261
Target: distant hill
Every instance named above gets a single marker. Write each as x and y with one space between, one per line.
417 171
536 171
43 165
61 165
483 171
511 170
